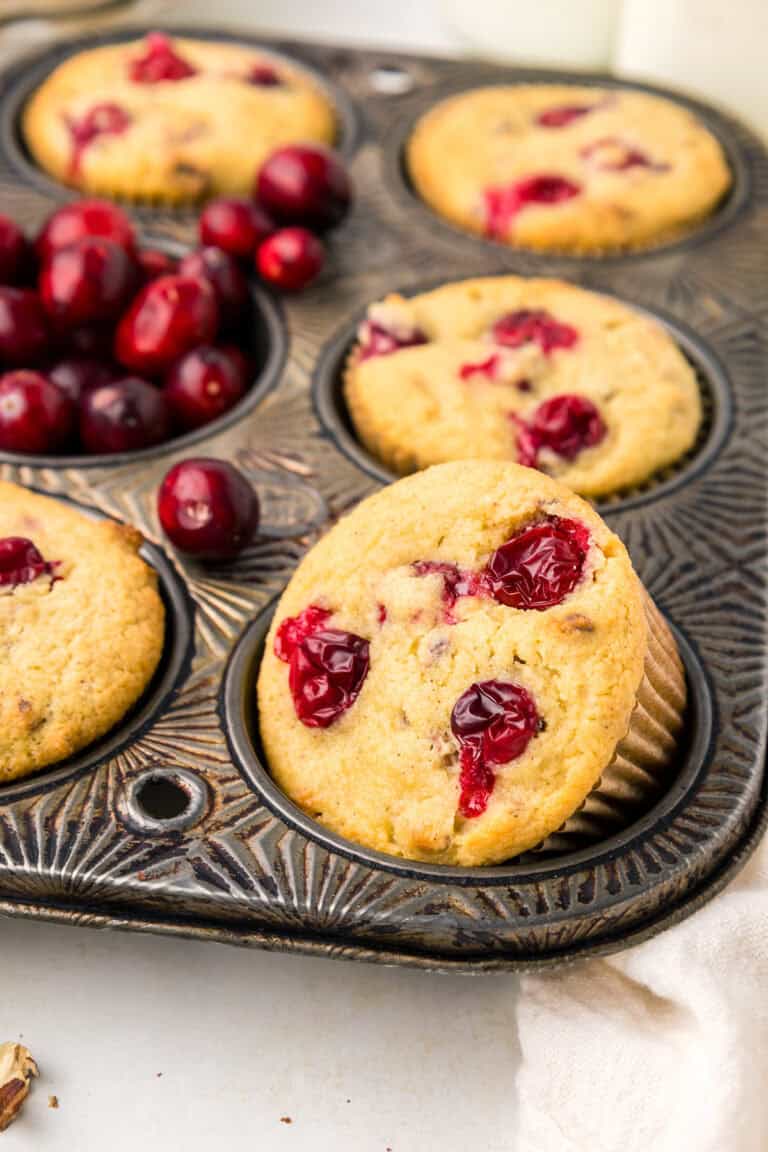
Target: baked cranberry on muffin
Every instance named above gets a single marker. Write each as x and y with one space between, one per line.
541 372
455 667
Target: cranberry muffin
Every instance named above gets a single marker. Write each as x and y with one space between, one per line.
576 169
458 664
81 629
170 120
538 371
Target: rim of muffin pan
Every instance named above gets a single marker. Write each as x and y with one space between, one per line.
239 712
734 202
174 667
711 376
23 76
268 345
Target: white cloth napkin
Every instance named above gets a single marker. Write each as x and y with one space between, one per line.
663 1048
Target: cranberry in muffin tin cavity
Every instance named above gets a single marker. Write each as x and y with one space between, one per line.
502 203
565 425
328 666
493 722
562 115
264 76
376 339
21 562
533 325
159 62
105 119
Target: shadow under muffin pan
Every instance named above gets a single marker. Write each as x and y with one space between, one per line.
267 346
174 666
24 77
239 708
398 179
716 397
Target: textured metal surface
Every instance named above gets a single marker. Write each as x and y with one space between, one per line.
74 846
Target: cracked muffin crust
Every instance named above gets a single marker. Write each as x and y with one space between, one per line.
566 167
170 121
454 667
81 629
539 371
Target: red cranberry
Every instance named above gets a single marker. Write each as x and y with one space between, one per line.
160 61
76 377
153 263
202 386
223 273
564 424
456 582
15 253
493 721
89 342
563 115
85 218
124 416
23 333
376 340
21 562
290 259
34 415
328 667
488 367
105 119
234 225
242 363
264 76
169 316
304 184
539 566
502 203
533 325
208 509
88 282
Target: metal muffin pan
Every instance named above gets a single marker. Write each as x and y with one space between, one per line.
177 826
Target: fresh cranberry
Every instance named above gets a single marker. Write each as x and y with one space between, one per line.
294 629
208 509
242 363
23 330
290 259
503 202
202 386
21 562
376 340
494 721
88 282
169 316
76 377
564 424
124 416
327 666
153 263
539 566
264 76
304 184
529 325
34 415
106 119
83 218
563 115
15 253
89 342
160 61
234 225
610 154
223 273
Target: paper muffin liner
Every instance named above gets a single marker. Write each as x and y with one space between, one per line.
643 764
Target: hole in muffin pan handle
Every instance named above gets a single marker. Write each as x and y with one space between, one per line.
289 505
162 800
390 80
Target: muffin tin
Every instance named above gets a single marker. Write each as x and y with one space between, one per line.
173 824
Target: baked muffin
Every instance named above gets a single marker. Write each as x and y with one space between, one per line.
81 629
538 371
578 169
460 661
170 120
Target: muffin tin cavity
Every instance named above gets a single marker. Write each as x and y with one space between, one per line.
398 181
333 413
266 347
22 79
174 666
239 709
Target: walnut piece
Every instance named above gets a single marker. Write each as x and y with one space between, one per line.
16 1070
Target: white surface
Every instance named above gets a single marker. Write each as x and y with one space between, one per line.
362 1058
